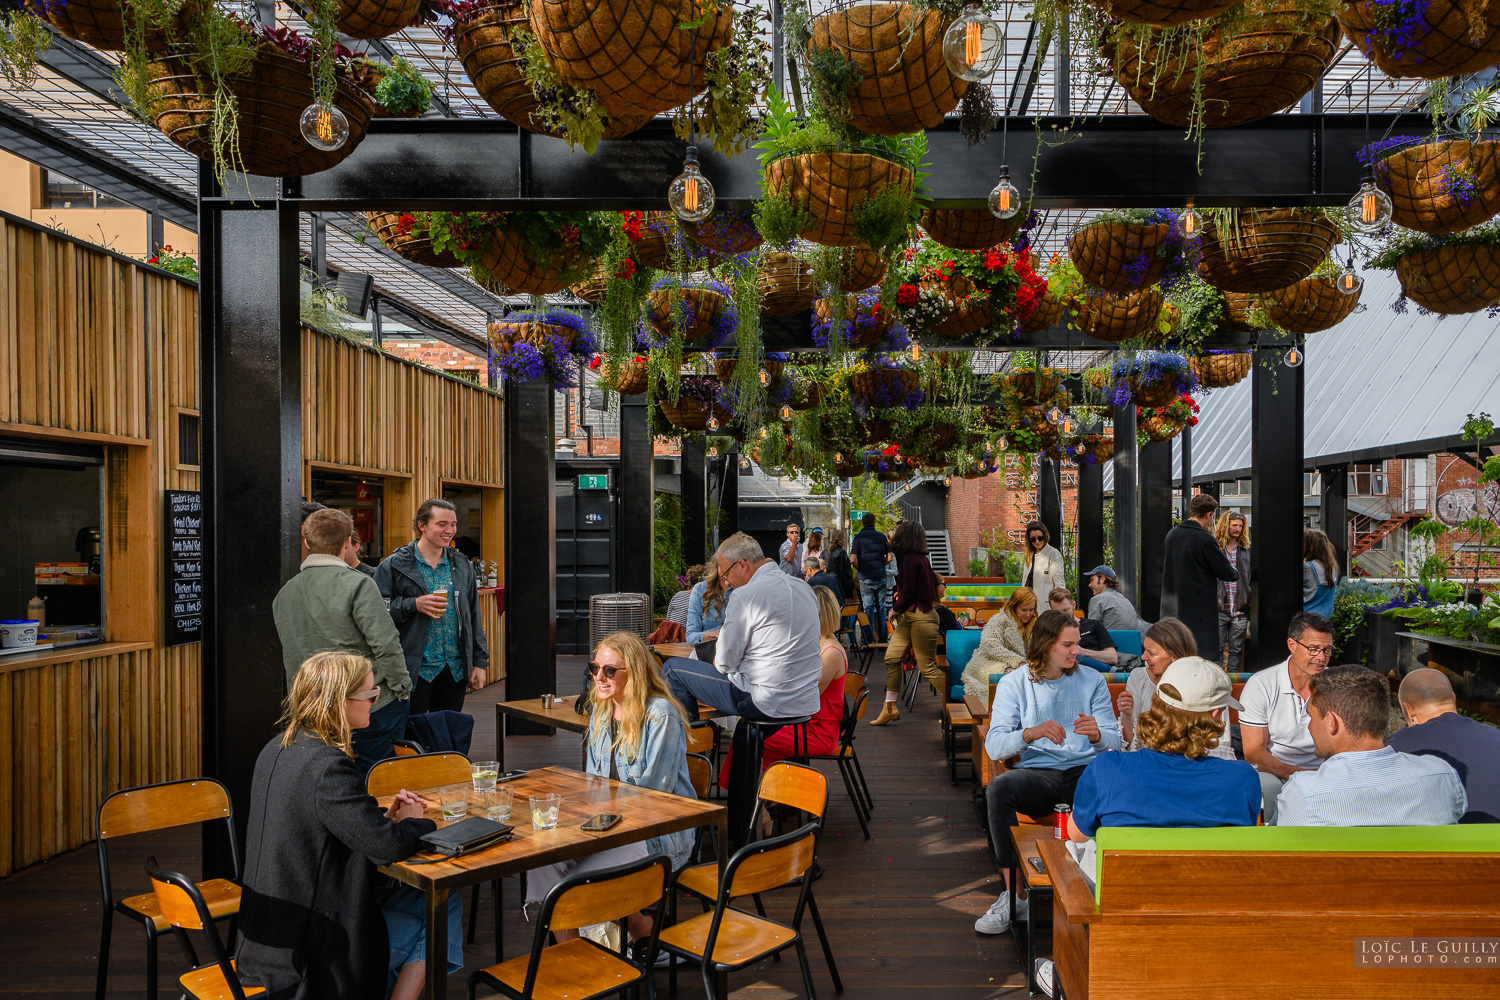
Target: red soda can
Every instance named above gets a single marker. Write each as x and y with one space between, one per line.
1061 812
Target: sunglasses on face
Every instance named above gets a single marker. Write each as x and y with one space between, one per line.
597 669
369 695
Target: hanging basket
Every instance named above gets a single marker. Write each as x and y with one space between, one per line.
1153 393
1117 318
905 84
1035 384
1120 256
272 94
594 290
375 18
874 431
880 386
859 269
1440 41
1164 13
969 228
101 23
504 336
1236 314
1265 68
1046 313
631 53
1220 371
970 316
831 186
1443 187
785 282
727 233
1452 280
414 244
1096 448
1310 305
849 469
631 379
861 334
511 270
692 414
1273 248
724 368
375 76
701 306
1161 428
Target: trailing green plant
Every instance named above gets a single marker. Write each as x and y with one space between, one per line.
1199 309
1399 243
571 241
666 548
404 89
618 317
326 308
23 37
779 219
574 114
736 73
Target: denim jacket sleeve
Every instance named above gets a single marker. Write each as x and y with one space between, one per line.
695 627
661 764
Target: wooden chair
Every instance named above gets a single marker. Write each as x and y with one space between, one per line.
726 938
844 757
701 773
579 969
407 748
184 908
703 738
159 807
867 650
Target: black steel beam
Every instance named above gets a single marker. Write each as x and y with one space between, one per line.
1049 500
1335 512
1125 501
1090 525
1276 503
1186 472
530 547
694 500
729 496
1113 161
1451 443
1156 521
637 488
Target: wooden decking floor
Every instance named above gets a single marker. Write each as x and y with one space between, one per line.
899 908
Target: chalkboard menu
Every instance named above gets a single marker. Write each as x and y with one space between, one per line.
184 566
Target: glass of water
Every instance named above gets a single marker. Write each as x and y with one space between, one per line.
485 772
544 810
455 802
497 803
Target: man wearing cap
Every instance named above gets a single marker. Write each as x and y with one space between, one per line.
1108 606
1274 722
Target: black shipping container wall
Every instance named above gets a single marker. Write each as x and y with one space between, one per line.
587 543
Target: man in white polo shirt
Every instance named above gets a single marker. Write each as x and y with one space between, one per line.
1274 721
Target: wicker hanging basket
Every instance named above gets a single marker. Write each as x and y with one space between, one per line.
874 431
862 334
1452 280
272 94
1120 256
969 228
785 282
506 335
415 244
905 84
692 414
1423 195
375 18
859 269
1047 311
724 368
1310 305
1220 371
702 306
594 289
1118 318
1153 393
1265 68
1096 448
512 270
831 186
727 234
1161 428
1441 44
849 469
631 380
1164 13
879 386
1033 384
1272 249
374 78
1236 315
966 317
631 53
101 23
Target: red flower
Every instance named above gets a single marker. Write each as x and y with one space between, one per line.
906 295
405 223
877 311
569 234
1192 421
946 270
631 225
595 363
994 260
893 449
1025 295
910 253
153 260
639 359
626 269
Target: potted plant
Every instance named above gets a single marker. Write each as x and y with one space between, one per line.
1095 448
950 293
540 345
1453 274
700 310
883 383
1446 182
533 253
786 283
859 320
727 232
697 403
1315 303
1432 39
368 18
1163 423
1221 369
1152 379
1258 250
399 90
1027 381
1125 250
969 228
630 377
409 234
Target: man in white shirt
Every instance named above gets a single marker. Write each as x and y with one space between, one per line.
1274 719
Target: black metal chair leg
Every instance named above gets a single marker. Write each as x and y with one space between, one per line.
807 982
186 944
833 969
499 923
151 991
104 936
859 807
864 786
473 914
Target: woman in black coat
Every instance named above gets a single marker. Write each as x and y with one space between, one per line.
310 918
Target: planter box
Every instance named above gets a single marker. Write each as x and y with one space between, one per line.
1473 667
1389 649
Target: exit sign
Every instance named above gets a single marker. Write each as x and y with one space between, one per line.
594 481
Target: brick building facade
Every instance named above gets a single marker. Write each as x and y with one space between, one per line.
1005 500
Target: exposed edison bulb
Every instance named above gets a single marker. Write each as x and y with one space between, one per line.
978 465
1294 357
1004 444
973 44
916 352
989 446
765 377
713 423
763 433
1370 208
324 127
1005 199
838 457
786 412
690 194
1066 424
1348 282
1055 415
1189 223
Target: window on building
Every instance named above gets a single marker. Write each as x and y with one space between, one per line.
62 191
1312 484
1367 479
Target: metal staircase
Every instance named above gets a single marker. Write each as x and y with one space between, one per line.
940 553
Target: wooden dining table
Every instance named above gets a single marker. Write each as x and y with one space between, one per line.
646 813
558 714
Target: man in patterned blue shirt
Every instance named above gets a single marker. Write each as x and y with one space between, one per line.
1363 782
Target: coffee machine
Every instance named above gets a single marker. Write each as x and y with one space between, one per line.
89 544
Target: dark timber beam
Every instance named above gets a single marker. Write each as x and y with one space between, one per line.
1115 161
637 495
1090 525
1335 512
530 547
1125 501
1276 501
1156 521
1186 473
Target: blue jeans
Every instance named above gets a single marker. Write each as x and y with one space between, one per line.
872 595
695 682
1098 665
376 742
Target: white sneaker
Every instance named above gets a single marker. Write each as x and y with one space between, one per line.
996 920
1044 969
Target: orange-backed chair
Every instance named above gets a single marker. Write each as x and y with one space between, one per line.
184 908
579 969
844 757
407 748
701 774
703 737
159 807
868 650
726 939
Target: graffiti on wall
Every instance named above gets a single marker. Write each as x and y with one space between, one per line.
1458 506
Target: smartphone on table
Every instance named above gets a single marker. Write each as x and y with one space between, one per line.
603 821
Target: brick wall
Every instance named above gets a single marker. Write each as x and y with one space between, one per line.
443 357
1003 500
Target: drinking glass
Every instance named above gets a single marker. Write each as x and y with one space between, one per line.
544 810
497 802
485 772
443 593
455 802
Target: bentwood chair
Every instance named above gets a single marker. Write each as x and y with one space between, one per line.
184 908
160 807
579 969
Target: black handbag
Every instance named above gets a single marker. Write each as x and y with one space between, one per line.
464 837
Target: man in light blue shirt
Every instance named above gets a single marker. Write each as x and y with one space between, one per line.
1363 782
1057 718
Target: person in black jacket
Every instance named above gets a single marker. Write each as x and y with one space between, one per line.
434 601
1193 566
311 923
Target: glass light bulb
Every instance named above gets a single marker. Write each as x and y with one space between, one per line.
973 44
713 423
690 194
838 457
1189 223
763 433
1054 415
786 412
916 352
765 377
1005 199
1370 209
324 127
1348 282
1004 444
1066 426
978 465
1294 357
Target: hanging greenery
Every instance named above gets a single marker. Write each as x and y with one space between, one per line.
736 75
403 90
1450 274
540 345
23 37
938 284
506 249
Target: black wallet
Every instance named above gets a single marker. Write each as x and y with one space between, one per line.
466 837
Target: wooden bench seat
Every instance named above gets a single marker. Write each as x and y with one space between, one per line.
956 721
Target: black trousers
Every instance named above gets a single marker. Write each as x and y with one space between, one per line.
1030 790
441 694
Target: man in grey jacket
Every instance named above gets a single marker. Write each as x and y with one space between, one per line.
328 606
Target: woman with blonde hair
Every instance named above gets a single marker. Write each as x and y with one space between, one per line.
707 605
1002 645
637 734
1233 535
311 916
1320 573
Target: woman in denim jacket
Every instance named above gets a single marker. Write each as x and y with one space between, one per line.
637 734
707 606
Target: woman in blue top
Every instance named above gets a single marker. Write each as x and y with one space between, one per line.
637 734
707 606
1057 718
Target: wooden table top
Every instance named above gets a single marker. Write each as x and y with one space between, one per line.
1025 838
671 649
648 813
560 715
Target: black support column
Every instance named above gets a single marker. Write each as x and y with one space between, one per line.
1276 502
250 339
530 547
637 497
1335 512
1049 499
729 497
1156 521
1090 525
694 500
1186 437
1125 500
